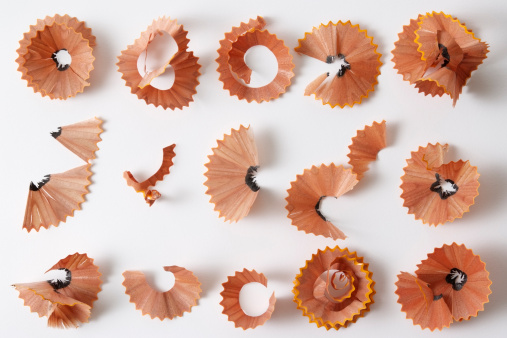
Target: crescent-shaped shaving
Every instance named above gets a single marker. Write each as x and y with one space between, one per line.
436 192
150 196
169 304
231 174
81 138
334 288
438 54
231 64
419 303
451 284
184 63
56 197
55 56
230 301
307 192
68 302
365 147
358 63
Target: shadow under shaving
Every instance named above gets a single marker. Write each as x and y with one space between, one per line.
495 259
209 278
267 203
101 306
102 68
491 195
266 147
484 82
285 310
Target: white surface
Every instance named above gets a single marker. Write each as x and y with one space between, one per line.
294 132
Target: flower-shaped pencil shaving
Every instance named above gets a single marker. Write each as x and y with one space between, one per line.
81 138
334 288
357 60
169 304
55 56
56 197
68 302
231 174
307 192
451 284
436 192
365 147
184 64
438 54
233 69
151 195
230 301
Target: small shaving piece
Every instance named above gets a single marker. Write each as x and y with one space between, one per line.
308 190
231 174
67 303
436 192
55 56
169 304
334 288
81 138
151 195
357 61
183 62
438 54
451 284
234 71
54 198
365 147
230 301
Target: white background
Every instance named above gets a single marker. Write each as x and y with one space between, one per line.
294 132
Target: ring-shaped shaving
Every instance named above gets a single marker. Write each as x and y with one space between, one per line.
232 67
184 64
230 299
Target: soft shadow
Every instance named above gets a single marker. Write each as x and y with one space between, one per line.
267 148
491 195
103 55
485 82
285 310
209 279
392 132
495 258
267 203
101 306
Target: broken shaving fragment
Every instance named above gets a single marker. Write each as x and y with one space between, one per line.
436 192
232 306
334 288
55 197
438 54
231 174
451 284
169 304
150 196
81 138
183 62
234 71
307 192
55 56
365 147
66 302
357 60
